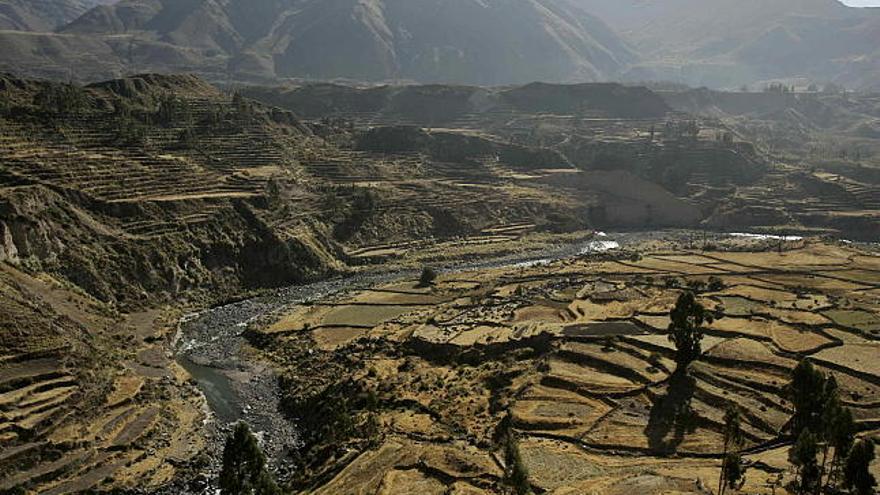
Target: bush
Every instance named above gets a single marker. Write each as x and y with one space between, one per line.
428 277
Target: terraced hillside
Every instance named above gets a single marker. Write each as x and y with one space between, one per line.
411 389
742 159
174 164
86 393
169 186
125 203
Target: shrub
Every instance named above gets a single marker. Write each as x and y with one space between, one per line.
697 285
427 277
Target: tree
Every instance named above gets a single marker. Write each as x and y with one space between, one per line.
173 109
838 427
831 409
243 108
734 438
807 394
685 330
803 456
856 473
188 139
244 466
841 435
817 408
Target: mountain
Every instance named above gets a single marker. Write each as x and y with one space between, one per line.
714 43
727 43
42 15
486 42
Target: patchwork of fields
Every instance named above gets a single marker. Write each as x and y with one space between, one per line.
573 357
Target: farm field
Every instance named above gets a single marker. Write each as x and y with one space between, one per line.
573 358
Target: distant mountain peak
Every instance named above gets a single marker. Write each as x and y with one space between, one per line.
43 15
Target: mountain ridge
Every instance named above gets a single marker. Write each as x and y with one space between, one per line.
719 44
43 15
726 43
486 43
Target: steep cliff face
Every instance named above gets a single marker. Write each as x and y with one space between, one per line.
109 188
151 189
56 232
488 42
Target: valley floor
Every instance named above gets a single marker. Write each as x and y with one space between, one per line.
567 352
571 358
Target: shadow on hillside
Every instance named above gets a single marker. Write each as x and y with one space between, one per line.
671 415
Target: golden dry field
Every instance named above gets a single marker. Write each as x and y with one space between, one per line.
573 357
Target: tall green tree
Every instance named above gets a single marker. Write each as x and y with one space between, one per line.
686 329
842 434
244 466
831 410
807 393
857 476
803 456
839 429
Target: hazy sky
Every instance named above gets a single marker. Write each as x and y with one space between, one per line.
862 3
